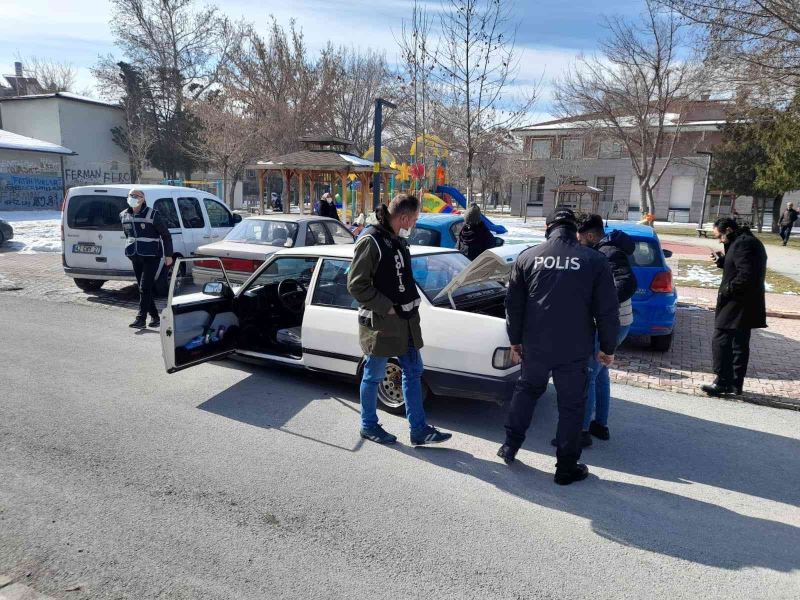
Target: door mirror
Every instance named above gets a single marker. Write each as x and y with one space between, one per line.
667 253
217 288
237 218
498 241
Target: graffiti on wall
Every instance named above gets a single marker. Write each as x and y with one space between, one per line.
30 184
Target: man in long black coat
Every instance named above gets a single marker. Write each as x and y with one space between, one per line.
741 304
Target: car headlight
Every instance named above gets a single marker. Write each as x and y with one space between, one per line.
504 358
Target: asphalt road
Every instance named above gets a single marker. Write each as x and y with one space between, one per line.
236 481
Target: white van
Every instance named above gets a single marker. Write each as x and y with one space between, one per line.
93 248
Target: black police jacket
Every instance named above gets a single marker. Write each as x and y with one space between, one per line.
559 295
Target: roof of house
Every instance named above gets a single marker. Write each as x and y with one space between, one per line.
63 96
14 141
318 160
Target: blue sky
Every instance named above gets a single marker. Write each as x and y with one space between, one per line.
550 32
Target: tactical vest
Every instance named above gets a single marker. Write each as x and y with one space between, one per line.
393 277
140 231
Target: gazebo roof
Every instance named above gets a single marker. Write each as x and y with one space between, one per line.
319 160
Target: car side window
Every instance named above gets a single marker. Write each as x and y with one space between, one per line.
166 208
424 237
339 233
316 235
191 214
331 287
218 215
300 268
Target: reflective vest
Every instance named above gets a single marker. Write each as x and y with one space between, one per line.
141 233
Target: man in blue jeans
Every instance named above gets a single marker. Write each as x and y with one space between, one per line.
616 247
382 282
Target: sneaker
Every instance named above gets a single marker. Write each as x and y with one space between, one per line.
155 322
586 440
378 435
717 390
599 431
507 453
139 323
429 435
566 476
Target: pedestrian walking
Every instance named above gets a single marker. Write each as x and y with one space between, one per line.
382 283
786 223
617 247
474 238
147 241
741 305
559 295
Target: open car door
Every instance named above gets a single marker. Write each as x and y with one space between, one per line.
198 324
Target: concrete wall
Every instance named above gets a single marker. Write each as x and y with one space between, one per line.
86 129
33 118
30 181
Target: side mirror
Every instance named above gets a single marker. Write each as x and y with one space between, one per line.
667 253
217 288
498 241
237 218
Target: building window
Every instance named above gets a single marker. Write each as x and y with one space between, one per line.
607 185
536 197
250 173
609 149
571 148
541 149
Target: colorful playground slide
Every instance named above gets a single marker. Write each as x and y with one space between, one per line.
459 197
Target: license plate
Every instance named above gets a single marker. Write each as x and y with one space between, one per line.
86 249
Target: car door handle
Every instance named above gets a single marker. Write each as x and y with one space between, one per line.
206 237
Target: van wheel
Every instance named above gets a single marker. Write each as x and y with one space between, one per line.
390 390
89 285
661 343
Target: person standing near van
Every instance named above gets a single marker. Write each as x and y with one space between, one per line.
147 241
559 295
382 282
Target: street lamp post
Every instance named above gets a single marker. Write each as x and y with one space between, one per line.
705 185
376 153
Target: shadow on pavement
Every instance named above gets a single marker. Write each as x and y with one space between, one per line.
646 441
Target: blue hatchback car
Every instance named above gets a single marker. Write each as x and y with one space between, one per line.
434 229
656 298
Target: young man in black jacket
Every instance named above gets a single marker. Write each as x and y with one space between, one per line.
559 294
741 305
474 238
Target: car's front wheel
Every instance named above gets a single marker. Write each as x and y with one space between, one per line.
390 390
89 285
661 343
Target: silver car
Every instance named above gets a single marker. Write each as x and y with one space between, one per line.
256 238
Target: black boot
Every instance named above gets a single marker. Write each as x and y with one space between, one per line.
599 431
139 323
507 453
717 390
567 475
155 322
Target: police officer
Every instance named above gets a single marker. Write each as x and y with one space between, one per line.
148 240
560 292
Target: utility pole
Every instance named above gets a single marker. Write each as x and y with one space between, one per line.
376 153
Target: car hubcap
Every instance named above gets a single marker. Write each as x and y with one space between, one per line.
392 386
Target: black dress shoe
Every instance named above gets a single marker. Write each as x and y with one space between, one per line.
155 322
599 431
566 476
507 453
717 390
139 323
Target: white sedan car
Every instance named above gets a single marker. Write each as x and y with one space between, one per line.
295 310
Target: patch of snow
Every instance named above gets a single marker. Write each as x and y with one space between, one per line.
14 141
705 276
34 231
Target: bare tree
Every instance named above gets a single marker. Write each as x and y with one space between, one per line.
52 75
634 93
476 65
753 43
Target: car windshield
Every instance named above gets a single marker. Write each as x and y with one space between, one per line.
260 231
434 271
96 212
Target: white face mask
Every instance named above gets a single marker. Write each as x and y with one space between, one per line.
404 233
133 202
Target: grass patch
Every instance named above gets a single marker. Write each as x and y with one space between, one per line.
767 237
704 274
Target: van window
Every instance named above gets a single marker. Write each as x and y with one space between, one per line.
96 212
166 208
218 215
190 213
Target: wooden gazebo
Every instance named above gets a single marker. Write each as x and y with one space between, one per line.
571 196
328 160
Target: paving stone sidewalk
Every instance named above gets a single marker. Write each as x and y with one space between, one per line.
682 369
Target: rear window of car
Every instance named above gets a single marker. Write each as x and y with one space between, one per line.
646 254
424 237
96 212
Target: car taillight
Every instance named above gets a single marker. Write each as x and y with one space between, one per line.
662 283
208 264
231 264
